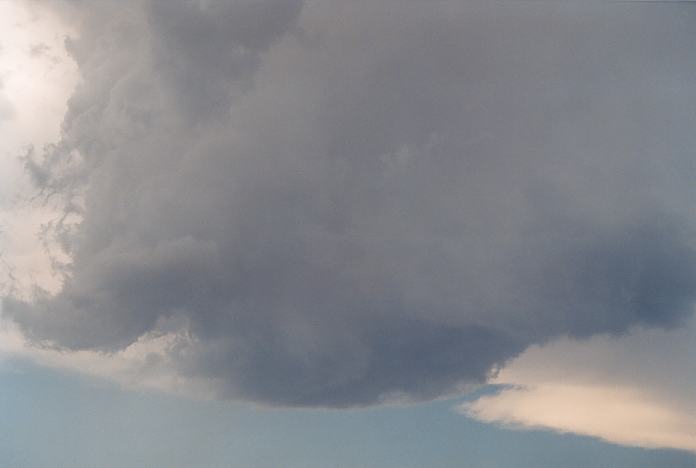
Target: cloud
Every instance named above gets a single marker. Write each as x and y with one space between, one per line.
635 390
6 107
146 365
342 205
33 94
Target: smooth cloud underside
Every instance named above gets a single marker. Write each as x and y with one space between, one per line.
347 203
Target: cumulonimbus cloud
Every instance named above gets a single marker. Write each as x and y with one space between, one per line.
343 204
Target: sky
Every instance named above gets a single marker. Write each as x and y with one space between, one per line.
264 233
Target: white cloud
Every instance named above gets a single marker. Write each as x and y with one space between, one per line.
633 390
37 76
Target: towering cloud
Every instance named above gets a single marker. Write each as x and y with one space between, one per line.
341 203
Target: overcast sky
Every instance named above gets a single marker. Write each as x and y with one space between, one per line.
393 210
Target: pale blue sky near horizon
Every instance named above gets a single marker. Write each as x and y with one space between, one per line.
54 419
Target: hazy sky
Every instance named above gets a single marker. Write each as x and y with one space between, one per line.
391 232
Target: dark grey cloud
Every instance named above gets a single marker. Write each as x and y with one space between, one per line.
203 49
348 202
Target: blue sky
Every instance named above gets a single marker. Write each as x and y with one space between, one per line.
59 420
